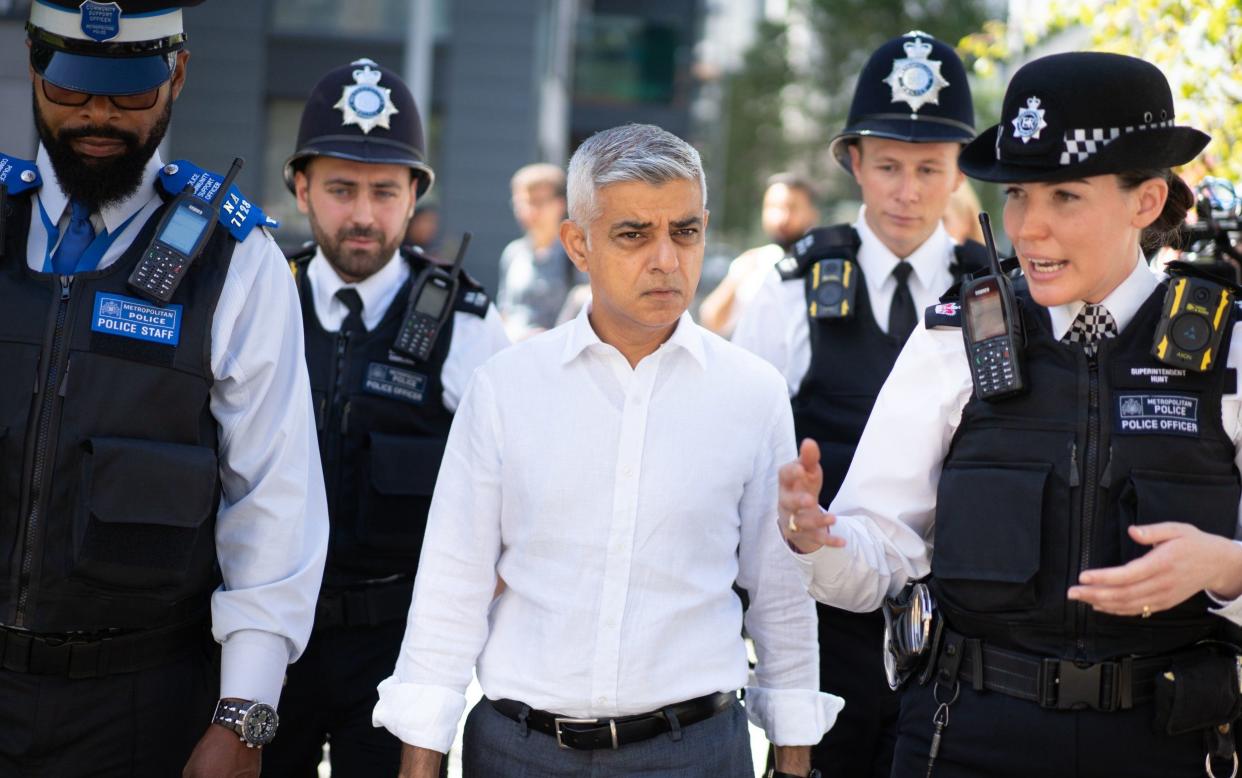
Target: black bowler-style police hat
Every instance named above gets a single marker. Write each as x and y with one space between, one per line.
365 113
912 89
106 48
1082 114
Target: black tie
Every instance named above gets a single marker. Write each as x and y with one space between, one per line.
350 298
901 315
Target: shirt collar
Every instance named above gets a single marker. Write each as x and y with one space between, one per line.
877 262
580 336
55 201
1123 302
375 290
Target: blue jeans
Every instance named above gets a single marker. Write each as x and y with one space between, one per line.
498 747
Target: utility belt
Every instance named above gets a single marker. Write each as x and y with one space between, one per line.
1198 688
100 654
367 605
594 734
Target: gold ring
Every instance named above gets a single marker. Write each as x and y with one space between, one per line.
792 526
1147 611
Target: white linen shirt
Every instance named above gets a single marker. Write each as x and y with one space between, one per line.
774 324
272 524
618 506
474 339
886 508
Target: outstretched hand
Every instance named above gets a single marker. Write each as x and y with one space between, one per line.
1184 561
803 523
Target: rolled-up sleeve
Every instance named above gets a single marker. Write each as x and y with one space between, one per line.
447 624
272 526
785 700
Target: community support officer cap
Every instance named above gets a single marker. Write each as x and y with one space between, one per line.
912 89
365 113
111 48
1081 114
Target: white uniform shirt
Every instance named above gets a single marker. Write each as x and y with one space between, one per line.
774 324
272 525
886 509
619 506
474 339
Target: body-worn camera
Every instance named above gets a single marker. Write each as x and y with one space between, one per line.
1193 318
832 276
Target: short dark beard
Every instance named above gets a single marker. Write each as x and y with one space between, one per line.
100 182
353 265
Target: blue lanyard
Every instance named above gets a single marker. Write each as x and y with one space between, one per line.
95 252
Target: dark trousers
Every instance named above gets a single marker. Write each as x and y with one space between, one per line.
144 723
851 665
495 746
329 695
991 734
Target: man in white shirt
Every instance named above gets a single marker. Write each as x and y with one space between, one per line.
835 341
615 644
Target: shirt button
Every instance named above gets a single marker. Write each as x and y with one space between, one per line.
627 471
636 400
601 700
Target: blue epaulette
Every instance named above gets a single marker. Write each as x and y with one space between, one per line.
19 175
237 213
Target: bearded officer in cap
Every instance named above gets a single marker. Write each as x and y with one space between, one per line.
161 482
383 413
833 317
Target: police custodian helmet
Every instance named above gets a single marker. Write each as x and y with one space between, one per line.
106 48
912 89
1080 114
362 112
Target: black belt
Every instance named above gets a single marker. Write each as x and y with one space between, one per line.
364 606
1062 684
95 656
593 734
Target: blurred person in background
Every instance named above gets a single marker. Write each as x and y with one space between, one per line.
535 272
961 218
910 115
788 212
382 412
424 229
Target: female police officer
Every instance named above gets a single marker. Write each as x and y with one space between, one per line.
1078 533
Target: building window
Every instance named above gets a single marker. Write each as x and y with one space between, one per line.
385 19
625 59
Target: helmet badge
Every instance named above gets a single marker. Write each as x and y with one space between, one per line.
915 79
1029 121
366 103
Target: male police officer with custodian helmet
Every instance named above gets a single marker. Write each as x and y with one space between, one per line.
383 403
833 317
158 470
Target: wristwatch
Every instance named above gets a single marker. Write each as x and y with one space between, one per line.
254 722
774 773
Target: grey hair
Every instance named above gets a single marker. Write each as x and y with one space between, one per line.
632 152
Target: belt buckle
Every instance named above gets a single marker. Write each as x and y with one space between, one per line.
557 721
1081 687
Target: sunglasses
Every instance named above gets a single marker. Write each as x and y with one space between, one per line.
141 101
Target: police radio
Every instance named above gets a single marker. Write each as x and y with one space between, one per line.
179 239
431 302
992 328
1192 319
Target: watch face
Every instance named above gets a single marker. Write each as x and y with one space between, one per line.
259 724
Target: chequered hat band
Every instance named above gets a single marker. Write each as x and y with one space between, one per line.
1081 144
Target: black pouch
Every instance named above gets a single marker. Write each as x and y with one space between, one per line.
1199 690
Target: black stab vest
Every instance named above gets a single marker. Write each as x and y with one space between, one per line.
1038 487
118 432
382 430
850 360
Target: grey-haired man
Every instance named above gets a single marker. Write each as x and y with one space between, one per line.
618 474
